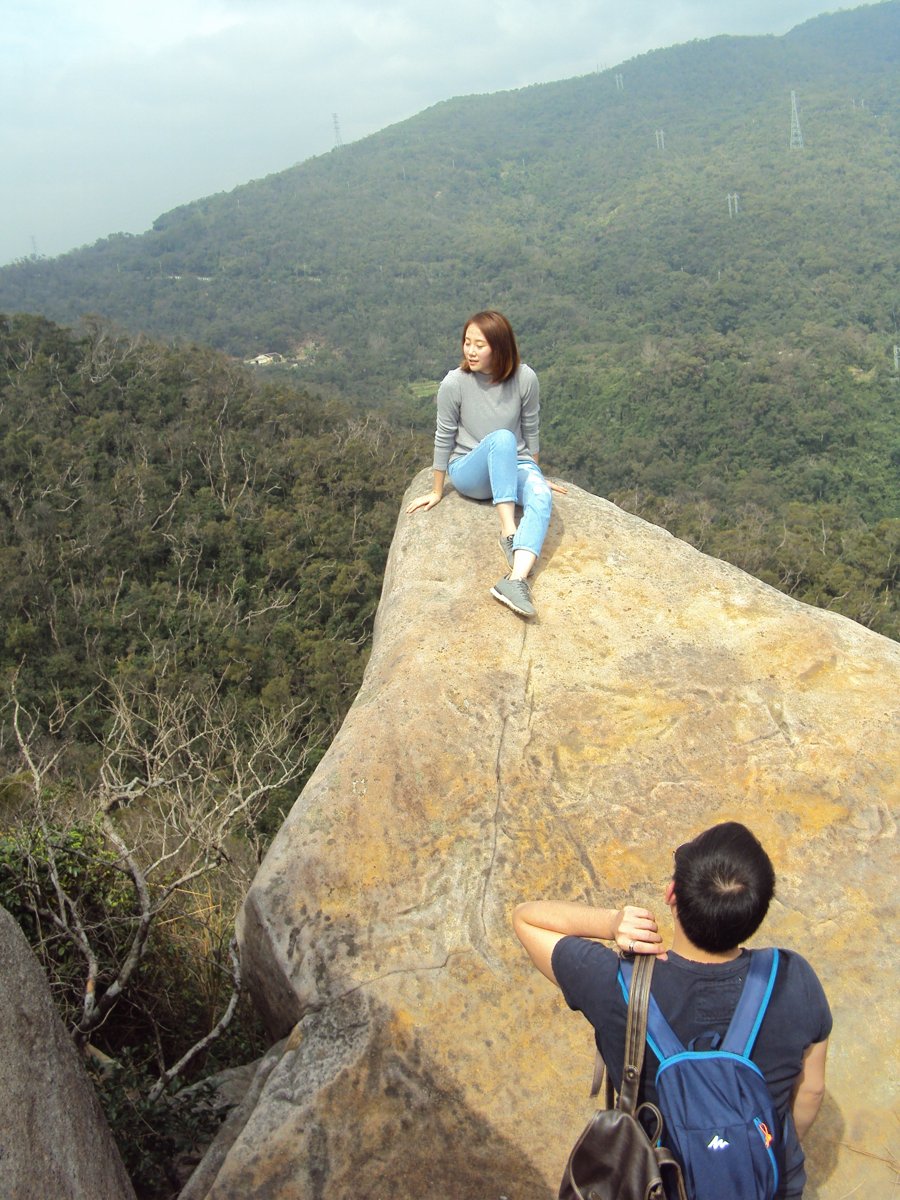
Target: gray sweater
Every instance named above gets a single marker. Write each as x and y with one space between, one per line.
469 407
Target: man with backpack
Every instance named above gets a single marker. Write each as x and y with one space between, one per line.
722 884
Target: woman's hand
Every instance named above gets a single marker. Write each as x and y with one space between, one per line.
557 487
424 502
636 932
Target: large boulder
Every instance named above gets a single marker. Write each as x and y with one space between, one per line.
54 1140
487 760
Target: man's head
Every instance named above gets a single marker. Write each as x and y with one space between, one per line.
723 883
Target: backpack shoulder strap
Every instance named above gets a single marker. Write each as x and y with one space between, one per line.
602 1080
751 1008
662 1039
745 1022
638 997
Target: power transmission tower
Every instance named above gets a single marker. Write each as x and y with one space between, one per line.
337 131
733 200
620 84
796 135
660 139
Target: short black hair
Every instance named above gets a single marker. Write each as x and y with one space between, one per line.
724 882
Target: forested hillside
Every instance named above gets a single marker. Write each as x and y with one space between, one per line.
160 506
190 563
596 208
712 311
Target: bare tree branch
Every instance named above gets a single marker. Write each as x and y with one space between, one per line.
181 773
218 1029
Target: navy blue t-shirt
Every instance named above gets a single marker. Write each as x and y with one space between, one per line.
697 998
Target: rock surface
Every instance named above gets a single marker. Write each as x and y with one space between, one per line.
488 760
54 1140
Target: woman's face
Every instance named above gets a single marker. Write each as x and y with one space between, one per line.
477 350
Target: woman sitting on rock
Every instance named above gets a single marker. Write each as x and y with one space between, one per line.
487 442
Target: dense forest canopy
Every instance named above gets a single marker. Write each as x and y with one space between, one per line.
191 562
161 503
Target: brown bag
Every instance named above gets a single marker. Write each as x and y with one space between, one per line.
616 1158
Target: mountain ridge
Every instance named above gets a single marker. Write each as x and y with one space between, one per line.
196 238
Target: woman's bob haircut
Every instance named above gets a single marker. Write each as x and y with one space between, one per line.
502 341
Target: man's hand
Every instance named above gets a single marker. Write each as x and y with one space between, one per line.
636 932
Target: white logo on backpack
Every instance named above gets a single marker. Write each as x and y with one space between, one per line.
717 1143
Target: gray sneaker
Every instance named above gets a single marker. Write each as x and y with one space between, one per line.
515 594
506 545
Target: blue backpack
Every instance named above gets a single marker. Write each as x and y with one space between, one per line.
721 1123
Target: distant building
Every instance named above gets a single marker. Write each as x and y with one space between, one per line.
264 360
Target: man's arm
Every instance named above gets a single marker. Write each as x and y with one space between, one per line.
810 1087
539 925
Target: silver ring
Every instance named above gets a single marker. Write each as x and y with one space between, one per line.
631 947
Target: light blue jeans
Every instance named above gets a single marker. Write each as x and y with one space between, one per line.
493 471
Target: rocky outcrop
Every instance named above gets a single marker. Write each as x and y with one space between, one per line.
488 760
54 1140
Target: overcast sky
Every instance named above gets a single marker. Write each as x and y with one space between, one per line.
115 111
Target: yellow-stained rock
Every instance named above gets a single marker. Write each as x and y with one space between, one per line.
488 760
